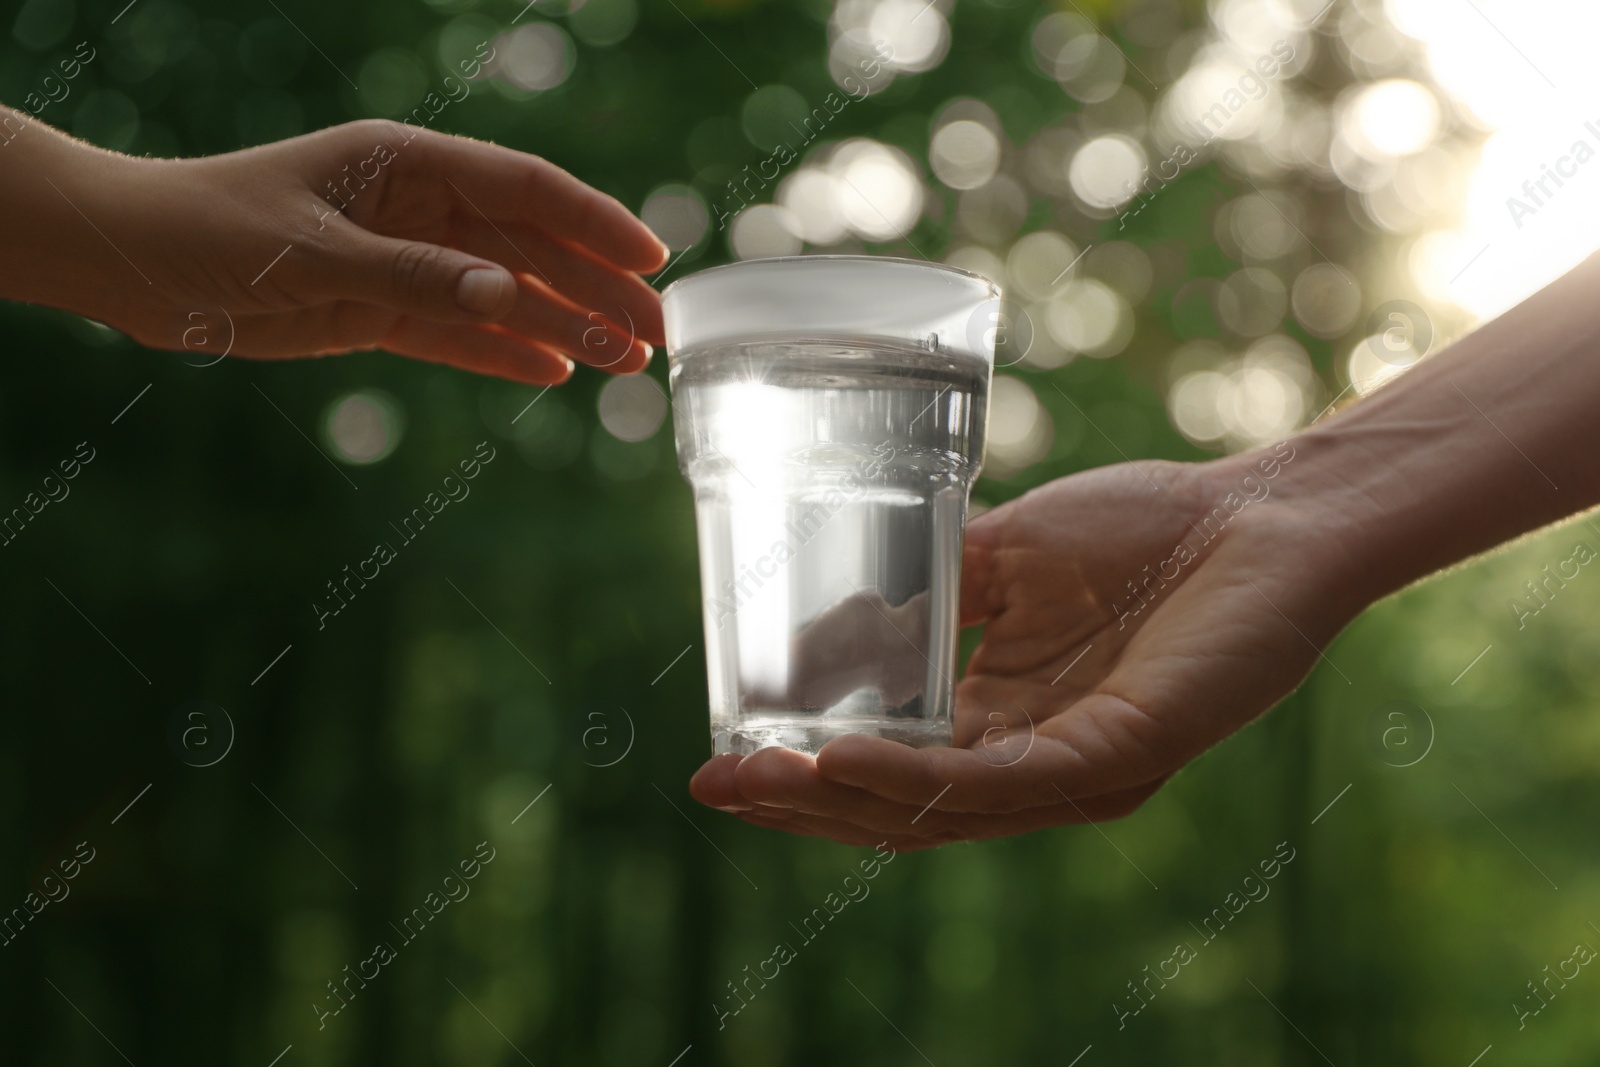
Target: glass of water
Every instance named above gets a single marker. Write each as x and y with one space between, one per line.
830 418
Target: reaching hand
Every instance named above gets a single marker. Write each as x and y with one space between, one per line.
1084 695
367 235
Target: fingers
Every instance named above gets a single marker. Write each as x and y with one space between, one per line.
415 278
786 785
1098 745
504 184
776 778
587 337
712 785
431 282
481 349
772 789
589 283
988 704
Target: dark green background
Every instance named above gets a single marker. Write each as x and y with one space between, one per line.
410 730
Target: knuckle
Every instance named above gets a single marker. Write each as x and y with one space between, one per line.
361 133
415 264
364 128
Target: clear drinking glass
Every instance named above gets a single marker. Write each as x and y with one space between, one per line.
830 418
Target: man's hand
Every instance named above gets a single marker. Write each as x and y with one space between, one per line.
368 235
1135 616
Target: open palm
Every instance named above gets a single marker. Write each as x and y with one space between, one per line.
1135 615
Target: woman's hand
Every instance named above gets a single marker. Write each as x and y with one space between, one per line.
368 235
1135 616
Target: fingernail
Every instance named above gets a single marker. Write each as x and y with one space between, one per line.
481 291
732 808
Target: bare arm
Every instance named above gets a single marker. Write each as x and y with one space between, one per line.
367 235
1494 438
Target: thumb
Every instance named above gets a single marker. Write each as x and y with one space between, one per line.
424 280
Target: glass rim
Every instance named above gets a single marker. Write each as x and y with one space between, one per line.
929 265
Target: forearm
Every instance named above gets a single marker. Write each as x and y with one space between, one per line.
58 219
1488 440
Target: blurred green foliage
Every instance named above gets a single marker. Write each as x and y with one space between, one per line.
472 676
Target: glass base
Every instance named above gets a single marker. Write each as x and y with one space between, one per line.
809 734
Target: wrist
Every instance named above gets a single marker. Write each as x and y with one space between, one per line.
1305 517
1462 453
71 240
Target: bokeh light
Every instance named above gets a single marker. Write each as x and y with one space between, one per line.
764 230
913 35
677 214
880 193
1020 430
964 154
1069 49
1499 72
1241 401
980 261
363 428
632 407
1252 302
1107 172
1378 358
535 57
1088 318
1394 117
811 197
1259 228
1326 300
1037 263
